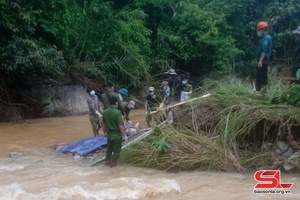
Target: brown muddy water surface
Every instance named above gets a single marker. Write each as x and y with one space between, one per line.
40 174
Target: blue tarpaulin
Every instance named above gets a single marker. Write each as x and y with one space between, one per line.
85 146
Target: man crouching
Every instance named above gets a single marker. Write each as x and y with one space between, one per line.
113 126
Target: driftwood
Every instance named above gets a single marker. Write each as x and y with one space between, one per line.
180 103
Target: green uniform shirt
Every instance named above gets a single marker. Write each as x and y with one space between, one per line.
112 118
105 101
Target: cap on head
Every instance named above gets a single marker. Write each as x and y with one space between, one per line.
113 100
261 25
132 103
164 83
171 72
123 91
92 93
151 89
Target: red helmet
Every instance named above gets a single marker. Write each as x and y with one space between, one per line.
261 25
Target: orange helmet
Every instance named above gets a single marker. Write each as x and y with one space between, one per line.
261 25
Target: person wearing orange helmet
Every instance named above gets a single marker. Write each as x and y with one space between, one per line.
296 54
263 55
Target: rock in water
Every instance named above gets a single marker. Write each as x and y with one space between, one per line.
14 154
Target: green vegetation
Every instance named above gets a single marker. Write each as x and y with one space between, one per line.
183 150
130 42
233 127
133 42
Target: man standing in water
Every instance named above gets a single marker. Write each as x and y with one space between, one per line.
108 94
95 110
187 89
128 106
174 84
150 105
165 93
263 56
113 126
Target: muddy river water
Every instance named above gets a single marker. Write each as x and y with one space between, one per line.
37 173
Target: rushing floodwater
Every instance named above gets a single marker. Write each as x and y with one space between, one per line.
39 174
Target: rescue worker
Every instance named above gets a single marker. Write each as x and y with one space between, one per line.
175 84
165 93
127 108
95 110
123 93
186 89
113 127
109 93
296 56
151 104
263 56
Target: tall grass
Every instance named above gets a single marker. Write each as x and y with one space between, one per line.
188 151
231 127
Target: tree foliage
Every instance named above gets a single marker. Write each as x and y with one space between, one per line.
199 38
127 41
31 33
114 42
23 56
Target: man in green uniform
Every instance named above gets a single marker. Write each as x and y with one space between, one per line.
110 92
113 126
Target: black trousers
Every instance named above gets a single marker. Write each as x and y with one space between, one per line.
261 77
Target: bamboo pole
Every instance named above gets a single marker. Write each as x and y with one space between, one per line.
180 103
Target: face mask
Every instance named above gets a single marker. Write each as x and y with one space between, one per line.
92 93
259 34
184 82
151 93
